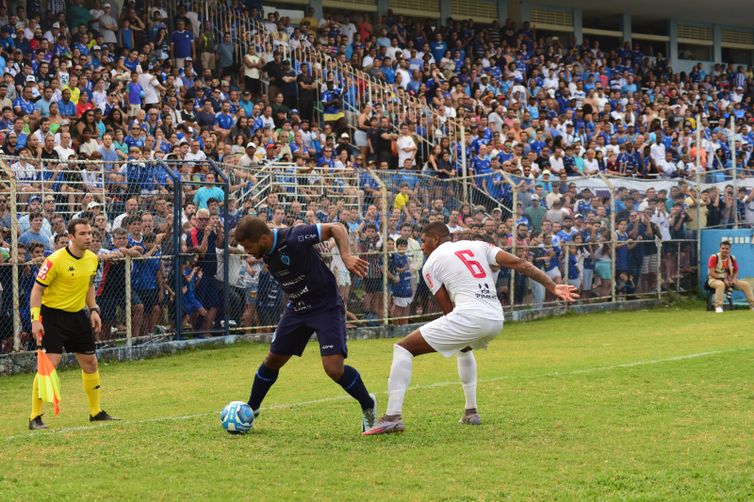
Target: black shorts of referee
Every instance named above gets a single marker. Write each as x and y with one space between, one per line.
71 331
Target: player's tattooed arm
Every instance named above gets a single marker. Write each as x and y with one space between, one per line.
526 268
565 292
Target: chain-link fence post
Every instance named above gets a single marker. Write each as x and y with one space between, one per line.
659 266
514 189
226 246
14 233
129 316
698 198
613 229
385 235
464 167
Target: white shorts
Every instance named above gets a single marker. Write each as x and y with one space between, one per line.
402 301
360 139
455 331
554 273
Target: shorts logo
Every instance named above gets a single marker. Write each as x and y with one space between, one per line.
325 347
42 275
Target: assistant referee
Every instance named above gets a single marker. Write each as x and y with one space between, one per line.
64 285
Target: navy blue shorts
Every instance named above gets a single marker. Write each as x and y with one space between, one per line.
295 329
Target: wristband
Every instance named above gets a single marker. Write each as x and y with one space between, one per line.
35 313
94 309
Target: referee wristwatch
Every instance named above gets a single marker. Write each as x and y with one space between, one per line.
94 309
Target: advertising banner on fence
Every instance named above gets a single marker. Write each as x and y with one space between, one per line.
742 247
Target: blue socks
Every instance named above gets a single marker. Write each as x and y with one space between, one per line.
263 380
353 384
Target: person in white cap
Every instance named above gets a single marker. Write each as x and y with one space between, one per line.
108 24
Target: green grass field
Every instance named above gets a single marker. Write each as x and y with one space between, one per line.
650 405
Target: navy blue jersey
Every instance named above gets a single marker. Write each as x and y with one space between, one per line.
299 269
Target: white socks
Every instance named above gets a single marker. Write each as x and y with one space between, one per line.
467 372
400 378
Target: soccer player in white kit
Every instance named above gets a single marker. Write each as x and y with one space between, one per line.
461 280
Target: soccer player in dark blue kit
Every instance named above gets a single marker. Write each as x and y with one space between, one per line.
314 304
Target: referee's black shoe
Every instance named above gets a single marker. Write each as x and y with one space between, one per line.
102 416
36 424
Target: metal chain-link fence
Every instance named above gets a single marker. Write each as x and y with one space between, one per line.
160 277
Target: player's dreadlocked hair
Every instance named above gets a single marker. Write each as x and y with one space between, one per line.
251 229
437 229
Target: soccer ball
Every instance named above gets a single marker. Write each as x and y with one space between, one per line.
237 417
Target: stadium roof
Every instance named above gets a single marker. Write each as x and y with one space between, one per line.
723 12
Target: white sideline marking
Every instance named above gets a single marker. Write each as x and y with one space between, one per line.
284 406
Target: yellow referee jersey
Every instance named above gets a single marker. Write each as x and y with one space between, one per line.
67 279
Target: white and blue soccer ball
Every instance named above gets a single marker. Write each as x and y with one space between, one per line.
237 417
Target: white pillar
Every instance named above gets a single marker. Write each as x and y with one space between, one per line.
625 24
717 49
578 26
673 43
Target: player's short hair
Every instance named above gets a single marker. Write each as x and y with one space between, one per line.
437 229
72 225
251 229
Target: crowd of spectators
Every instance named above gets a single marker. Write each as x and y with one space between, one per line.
85 83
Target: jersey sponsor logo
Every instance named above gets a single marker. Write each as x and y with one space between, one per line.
298 294
42 275
429 280
485 293
293 282
285 259
307 237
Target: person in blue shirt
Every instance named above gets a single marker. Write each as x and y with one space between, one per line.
224 121
399 272
135 94
147 281
126 35
24 103
438 47
332 104
181 43
388 71
208 192
34 234
314 304
66 107
135 138
192 308
622 247
6 40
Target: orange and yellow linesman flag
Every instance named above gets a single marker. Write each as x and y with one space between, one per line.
48 381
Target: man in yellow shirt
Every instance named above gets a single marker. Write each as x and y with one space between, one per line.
64 286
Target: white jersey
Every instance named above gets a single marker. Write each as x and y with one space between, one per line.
463 267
